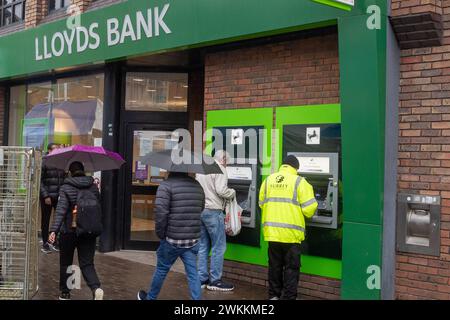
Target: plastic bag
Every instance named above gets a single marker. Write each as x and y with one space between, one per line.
232 218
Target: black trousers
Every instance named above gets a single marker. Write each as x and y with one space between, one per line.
46 211
85 246
284 270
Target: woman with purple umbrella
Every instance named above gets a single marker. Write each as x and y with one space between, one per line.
78 214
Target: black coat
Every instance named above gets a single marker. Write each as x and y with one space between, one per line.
68 194
179 203
51 181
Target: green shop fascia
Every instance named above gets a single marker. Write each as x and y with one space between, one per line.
368 58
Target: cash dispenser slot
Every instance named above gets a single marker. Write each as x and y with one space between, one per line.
243 178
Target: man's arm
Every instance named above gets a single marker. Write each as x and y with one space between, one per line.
221 187
306 198
262 194
43 190
162 209
60 212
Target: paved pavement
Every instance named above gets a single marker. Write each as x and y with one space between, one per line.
124 273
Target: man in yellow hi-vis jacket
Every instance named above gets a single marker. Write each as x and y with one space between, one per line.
286 199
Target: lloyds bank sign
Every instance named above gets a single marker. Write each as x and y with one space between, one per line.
77 39
140 27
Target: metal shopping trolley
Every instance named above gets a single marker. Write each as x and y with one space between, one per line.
20 175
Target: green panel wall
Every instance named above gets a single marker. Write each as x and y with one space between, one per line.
362 54
362 245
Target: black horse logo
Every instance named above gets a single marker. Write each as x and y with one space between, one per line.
313 135
237 137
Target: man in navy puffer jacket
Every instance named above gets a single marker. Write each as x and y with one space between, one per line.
179 203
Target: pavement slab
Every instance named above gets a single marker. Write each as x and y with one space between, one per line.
124 273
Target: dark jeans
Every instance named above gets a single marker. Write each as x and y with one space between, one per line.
85 246
284 270
46 211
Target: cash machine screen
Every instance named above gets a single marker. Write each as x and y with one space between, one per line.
321 171
314 165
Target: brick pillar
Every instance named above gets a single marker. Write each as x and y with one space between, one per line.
404 8
417 23
2 112
82 4
35 11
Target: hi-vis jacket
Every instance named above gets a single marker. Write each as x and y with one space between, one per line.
286 199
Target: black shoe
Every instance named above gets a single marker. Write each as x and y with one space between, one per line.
142 295
220 286
64 296
46 249
204 284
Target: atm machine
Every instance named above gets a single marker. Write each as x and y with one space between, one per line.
321 170
244 175
318 149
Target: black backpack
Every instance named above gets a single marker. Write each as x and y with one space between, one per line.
89 214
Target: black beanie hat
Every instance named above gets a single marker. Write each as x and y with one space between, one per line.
292 161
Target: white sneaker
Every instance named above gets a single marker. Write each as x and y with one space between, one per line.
98 294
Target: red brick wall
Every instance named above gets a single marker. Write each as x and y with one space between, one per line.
289 73
310 287
407 7
82 4
35 11
424 158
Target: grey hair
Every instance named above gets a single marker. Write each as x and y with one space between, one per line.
220 154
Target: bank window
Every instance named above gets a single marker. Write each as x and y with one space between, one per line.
66 111
156 92
57 4
11 11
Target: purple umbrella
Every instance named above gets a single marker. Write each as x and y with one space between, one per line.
93 158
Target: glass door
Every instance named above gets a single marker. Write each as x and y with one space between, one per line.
142 183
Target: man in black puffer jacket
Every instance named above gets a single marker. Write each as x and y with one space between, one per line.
51 181
69 241
179 203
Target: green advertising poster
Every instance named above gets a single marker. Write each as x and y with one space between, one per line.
35 133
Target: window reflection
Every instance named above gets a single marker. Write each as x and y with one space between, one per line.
68 112
156 92
78 111
145 142
145 175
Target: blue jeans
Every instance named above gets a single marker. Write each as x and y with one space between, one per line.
167 254
213 238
